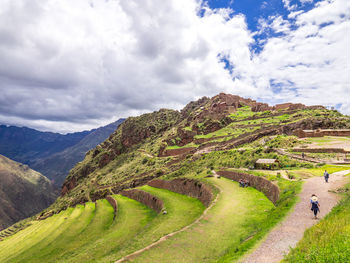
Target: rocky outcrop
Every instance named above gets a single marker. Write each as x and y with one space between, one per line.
99 194
145 198
193 106
282 107
261 107
190 187
263 185
43 216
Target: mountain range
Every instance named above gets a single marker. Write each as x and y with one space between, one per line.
51 154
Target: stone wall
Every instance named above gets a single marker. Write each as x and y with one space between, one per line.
260 183
320 133
320 150
190 187
113 203
144 198
175 152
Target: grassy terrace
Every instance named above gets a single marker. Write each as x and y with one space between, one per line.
240 218
318 171
329 240
321 141
182 210
263 118
91 234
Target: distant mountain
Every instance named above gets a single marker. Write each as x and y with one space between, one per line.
23 192
57 166
52 154
27 145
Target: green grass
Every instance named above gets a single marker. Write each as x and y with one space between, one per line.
318 155
320 170
131 218
228 130
24 240
327 139
182 210
329 240
240 218
43 249
188 128
181 147
91 234
82 234
242 113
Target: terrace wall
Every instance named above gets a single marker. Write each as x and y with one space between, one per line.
175 152
144 198
321 150
190 187
261 184
322 133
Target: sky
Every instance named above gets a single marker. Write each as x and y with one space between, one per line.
74 65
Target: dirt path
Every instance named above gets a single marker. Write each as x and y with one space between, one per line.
162 239
300 158
291 230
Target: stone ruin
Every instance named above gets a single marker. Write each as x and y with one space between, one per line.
322 132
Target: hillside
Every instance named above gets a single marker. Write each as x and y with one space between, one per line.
56 166
152 145
163 182
51 154
23 192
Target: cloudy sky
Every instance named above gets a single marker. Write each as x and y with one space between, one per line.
73 65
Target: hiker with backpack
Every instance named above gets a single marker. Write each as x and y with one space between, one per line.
315 206
326 176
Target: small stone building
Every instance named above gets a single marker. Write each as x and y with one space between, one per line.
269 164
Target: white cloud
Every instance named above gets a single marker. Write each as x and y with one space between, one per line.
314 58
68 65
82 62
306 1
287 4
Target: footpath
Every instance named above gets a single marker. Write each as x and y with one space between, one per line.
291 230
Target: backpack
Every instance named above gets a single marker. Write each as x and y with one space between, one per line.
314 205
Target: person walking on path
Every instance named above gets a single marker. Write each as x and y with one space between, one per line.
315 206
326 176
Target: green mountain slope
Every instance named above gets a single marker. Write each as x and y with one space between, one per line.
23 192
152 145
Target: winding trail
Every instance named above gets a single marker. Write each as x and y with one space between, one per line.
162 239
291 230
